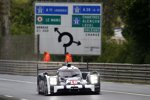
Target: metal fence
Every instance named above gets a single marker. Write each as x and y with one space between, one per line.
133 73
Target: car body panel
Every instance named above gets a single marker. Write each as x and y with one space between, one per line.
68 79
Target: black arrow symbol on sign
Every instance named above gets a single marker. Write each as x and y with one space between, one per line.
66 34
56 30
78 43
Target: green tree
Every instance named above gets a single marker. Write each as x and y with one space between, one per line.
22 17
1 14
136 16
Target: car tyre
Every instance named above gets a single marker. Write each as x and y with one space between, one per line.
40 86
45 87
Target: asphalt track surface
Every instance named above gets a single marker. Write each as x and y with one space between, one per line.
15 87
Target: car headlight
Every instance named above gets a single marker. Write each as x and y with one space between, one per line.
53 80
94 79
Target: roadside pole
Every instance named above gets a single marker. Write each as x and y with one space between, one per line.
38 54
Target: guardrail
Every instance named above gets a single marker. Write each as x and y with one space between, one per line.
133 73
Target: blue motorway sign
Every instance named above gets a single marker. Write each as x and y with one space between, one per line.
52 10
82 9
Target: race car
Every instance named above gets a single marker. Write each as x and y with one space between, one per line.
68 79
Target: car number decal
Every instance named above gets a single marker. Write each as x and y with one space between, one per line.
73 82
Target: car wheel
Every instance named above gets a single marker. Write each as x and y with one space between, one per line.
97 92
40 86
52 90
97 89
45 88
39 90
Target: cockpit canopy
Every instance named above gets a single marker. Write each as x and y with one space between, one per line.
67 73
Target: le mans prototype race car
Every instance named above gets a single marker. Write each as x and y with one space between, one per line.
68 79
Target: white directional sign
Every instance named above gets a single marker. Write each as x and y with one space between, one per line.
76 26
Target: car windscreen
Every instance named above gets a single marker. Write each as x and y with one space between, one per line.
69 73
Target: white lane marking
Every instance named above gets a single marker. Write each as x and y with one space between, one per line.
19 81
128 93
23 99
8 96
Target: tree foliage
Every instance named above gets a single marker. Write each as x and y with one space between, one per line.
1 9
1 13
22 17
136 16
